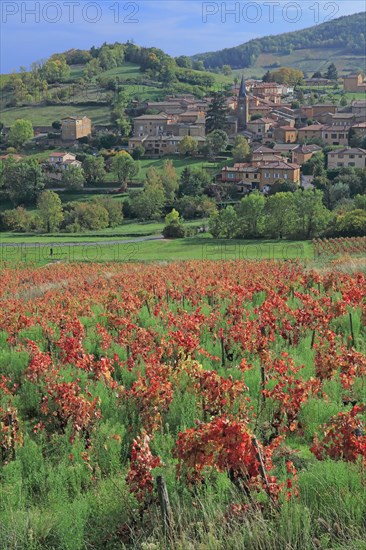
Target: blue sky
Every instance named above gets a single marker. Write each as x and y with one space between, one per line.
32 30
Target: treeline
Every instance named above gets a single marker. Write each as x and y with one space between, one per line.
51 215
300 215
347 33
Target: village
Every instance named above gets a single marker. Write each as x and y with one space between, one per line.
282 135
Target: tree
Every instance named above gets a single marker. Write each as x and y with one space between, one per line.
169 180
18 219
149 203
22 181
241 149
351 224
84 215
360 202
280 214
332 73
94 170
188 146
174 228
50 210
216 141
216 117
251 218
317 74
114 209
20 132
124 168
195 207
138 152
287 75
193 182
224 224
73 177
312 216
226 70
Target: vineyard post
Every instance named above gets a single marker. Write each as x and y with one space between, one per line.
262 468
351 327
148 307
165 507
312 340
222 352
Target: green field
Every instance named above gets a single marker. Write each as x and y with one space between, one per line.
193 248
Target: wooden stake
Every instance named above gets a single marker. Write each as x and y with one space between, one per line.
312 340
351 327
165 507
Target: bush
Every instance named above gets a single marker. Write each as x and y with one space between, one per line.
174 230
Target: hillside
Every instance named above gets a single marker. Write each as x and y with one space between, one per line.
341 40
90 81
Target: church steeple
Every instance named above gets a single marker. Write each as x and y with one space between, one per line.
243 106
242 89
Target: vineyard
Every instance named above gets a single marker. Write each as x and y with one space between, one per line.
183 405
340 246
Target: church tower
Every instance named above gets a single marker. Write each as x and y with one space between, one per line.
243 106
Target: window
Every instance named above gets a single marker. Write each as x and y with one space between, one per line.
341 136
333 136
285 176
326 135
230 175
277 175
339 163
352 156
351 164
267 175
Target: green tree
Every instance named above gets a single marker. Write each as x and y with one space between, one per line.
226 70
83 215
174 228
188 146
332 73
360 202
216 141
280 215
193 182
22 181
224 224
138 152
149 203
124 168
20 132
216 118
241 149
114 209
49 207
312 216
169 180
351 224
18 219
251 217
94 169
73 177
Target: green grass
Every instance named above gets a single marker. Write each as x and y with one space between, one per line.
199 248
44 115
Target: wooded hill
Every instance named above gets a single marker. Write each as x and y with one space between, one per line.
336 40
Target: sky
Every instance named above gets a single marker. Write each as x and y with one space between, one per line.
34 30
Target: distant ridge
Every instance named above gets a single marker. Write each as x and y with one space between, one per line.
341 37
